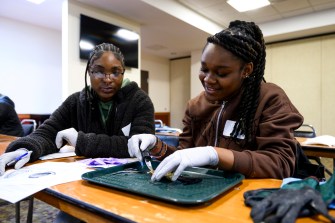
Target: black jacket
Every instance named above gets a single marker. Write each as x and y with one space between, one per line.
9 121
132 106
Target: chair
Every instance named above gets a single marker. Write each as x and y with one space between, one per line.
308 131
167 134
28 125
169 139
158 123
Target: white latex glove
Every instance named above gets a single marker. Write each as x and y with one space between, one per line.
67 149
180 159
69 135
8 157
141 142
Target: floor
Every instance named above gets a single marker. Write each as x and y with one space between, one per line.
328 163
43 213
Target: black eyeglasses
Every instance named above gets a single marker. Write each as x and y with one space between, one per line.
102 75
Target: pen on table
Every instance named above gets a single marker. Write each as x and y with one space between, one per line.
17 159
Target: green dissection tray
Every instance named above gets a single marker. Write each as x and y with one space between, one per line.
197 185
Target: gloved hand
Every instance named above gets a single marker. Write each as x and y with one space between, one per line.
8 157
69 135
285 205
141 142
180 159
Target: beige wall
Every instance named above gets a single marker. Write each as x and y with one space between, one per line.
305 70
295 66
328 82
196 86
159 81
179 89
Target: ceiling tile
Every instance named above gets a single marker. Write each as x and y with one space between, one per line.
320 2
288 6
325 6
200 4
297 12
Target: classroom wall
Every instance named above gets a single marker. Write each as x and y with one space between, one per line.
53 51
328 90
159 81
179 89
196 86
30 66
305 70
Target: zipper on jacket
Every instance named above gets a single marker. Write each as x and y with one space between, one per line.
217 124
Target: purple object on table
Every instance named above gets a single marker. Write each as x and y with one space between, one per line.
103 162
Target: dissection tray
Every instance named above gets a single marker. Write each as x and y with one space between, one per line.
197 185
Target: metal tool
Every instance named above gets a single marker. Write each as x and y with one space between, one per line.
146 158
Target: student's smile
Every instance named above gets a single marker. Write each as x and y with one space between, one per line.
220 74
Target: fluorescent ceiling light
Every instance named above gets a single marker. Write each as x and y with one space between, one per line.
36 1
126 34
246 5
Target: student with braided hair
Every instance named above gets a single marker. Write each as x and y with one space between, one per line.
97 121
239 122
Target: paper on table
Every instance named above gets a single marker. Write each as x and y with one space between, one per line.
57 155
326 140
65 151
16 185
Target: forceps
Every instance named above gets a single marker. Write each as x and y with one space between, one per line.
146 158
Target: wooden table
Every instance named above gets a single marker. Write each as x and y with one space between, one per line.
4 142
95 203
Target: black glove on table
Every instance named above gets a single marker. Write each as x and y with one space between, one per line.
285 205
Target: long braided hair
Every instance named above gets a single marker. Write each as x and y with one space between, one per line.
245 40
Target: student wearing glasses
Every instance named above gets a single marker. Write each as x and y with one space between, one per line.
97 121
239 122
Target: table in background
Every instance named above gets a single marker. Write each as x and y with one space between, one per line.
318 150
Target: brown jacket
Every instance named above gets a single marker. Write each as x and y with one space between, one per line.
272 156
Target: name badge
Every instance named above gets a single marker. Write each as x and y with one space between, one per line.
126 129
228 129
